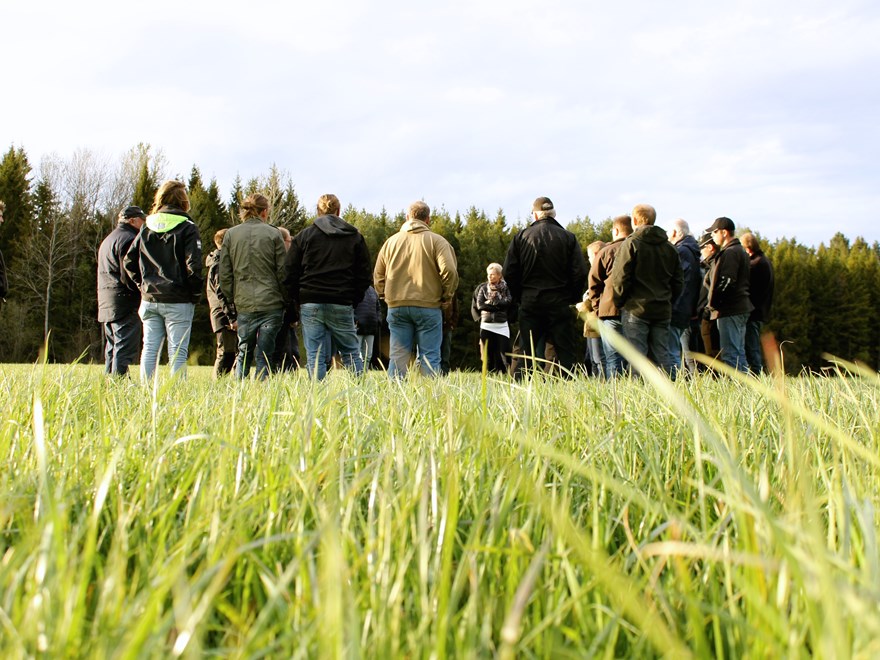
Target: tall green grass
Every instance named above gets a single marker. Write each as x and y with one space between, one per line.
457 517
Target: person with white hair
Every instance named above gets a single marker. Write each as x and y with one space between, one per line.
684 308
490 307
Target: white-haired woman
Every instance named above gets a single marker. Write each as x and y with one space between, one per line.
490 307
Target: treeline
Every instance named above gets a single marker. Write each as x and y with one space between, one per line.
827 298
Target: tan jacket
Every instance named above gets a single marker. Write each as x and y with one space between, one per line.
416 268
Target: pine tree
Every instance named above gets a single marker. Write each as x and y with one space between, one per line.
146 186
15 191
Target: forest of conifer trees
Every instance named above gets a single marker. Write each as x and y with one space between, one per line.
57 213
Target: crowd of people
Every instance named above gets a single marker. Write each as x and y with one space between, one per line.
667 293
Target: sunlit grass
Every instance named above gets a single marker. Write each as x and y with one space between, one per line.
451 517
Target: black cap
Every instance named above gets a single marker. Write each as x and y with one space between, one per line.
722 223
706 238
132 212
542 204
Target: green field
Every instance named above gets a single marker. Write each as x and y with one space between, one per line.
456 517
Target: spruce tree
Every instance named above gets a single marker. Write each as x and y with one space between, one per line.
15 191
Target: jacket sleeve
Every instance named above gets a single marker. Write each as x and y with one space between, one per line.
596 281
226 276
363 276
475 305
676 284
280 268
124 277
193 251
577 273
621 274
448 269
513 269
379 273
131 263
724 277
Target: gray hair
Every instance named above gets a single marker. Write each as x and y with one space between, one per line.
495 267
682 227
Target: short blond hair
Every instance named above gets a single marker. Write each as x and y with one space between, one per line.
644 214
419 211
328 205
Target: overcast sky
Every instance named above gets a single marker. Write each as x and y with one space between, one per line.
766 112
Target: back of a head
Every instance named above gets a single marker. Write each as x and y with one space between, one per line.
644 214
171 193
749 242
681 227
419 211
253 206
543 208
623 224
328 205
218 237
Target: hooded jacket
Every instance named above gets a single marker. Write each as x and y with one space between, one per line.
252 267
416 268
545 266
165 260
328 263
118 295
646 276
729 282
685 306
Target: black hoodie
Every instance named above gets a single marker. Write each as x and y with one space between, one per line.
328 262
646 276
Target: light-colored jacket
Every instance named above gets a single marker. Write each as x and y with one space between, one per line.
416 268
252 267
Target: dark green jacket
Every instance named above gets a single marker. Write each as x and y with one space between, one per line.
646 277
252 267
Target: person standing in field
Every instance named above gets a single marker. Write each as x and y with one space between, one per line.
222 313
4 281
708 327
165 261
546 273
118 296
684 308
416 274
645 280
729 302
328 271
761 284
287 357
367 321
490 307
594 356
251 278
600 294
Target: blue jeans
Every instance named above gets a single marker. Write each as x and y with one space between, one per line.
323 322
256 341
595 357
415 327
679 345
615 364
754 355
650 338
366 343
122 339
732 338
161 319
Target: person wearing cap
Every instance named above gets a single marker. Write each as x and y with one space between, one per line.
599 293
547 274
729 304
685 306
708 327
761 284
118 295
645 280
416 274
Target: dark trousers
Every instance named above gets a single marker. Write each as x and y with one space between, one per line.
227 349
122 343
496 348
556 323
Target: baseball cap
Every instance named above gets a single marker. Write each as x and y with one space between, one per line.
132 212
542 204
722 223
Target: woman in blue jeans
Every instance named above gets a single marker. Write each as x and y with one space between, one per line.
165 260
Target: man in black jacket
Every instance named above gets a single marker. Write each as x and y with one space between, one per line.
645 280
761 285
118 295
328 271
729 302
546 273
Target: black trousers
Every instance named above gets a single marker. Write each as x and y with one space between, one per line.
554 323
496 347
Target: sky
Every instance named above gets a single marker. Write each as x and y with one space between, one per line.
765 112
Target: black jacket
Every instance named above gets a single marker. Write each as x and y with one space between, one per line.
761 284
491 306
729 282
118 295
165 260
222 312
685 306
328 262
545 266
368 314
646 276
